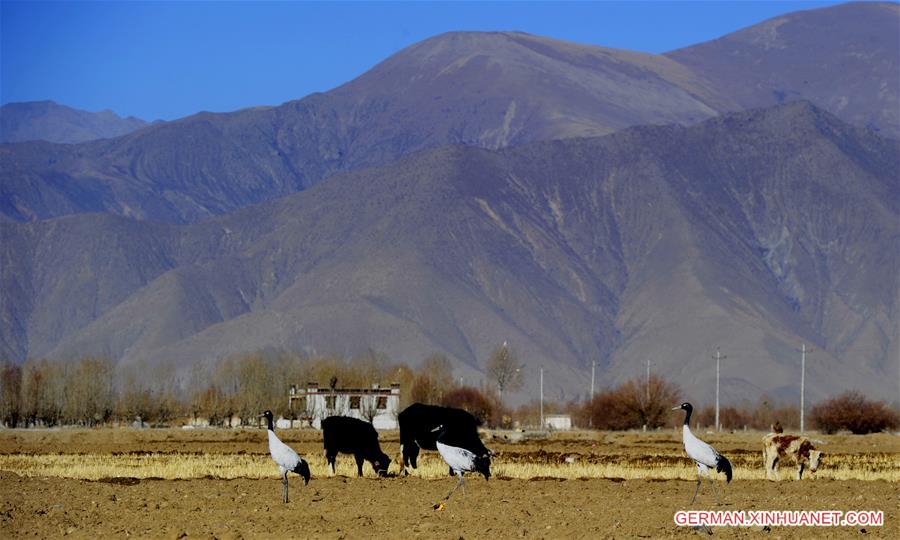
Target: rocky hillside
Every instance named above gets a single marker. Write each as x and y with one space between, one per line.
484 89
755 231
843 58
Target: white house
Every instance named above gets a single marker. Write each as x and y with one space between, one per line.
558 422
377 405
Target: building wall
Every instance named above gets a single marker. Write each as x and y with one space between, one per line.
322 404
561 422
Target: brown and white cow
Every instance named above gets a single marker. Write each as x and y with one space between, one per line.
778 447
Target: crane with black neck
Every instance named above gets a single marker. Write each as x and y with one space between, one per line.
705 456
285 457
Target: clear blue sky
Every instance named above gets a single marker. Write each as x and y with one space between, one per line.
171 59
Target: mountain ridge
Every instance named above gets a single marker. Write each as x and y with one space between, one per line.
573 250
49 121
484 89
769 63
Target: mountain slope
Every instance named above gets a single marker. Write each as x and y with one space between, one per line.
844 58
488 89
60 275
52 122
754 232
495 89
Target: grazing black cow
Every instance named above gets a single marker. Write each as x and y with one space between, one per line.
351 436
417 424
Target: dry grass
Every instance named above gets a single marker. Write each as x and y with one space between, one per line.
48 497
229 454
172 466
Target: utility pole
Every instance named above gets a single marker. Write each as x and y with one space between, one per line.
803 351
542 398
718 358
591 415
648 381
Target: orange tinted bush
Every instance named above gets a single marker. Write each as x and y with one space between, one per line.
729 417
608 411
472 400
851 411
633 404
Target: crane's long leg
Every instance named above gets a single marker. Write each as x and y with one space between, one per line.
284 489
460 483
713 484
697 489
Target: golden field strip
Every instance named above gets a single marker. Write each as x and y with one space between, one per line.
97 483
226 466
172 454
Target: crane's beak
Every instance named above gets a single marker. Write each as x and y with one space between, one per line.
676 408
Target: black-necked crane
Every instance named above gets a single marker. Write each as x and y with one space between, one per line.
704 455
285 457
464 452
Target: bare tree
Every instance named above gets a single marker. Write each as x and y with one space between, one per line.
168 399
211 403
368 368
32 389
627 406
473 400
136 400
255 386
433 380
405 376
90 397
368 407
504 368
43 392
10 394
652 412
854 412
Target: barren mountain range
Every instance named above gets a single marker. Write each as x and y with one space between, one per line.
485 89
49 121
482 187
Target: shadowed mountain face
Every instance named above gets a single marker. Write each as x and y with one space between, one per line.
755 231
489 90
843 58
52 122
486 89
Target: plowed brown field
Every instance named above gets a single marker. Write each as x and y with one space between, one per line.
520 502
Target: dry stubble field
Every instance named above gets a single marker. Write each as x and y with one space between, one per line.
221 483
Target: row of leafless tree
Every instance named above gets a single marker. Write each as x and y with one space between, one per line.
54 393
92 391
